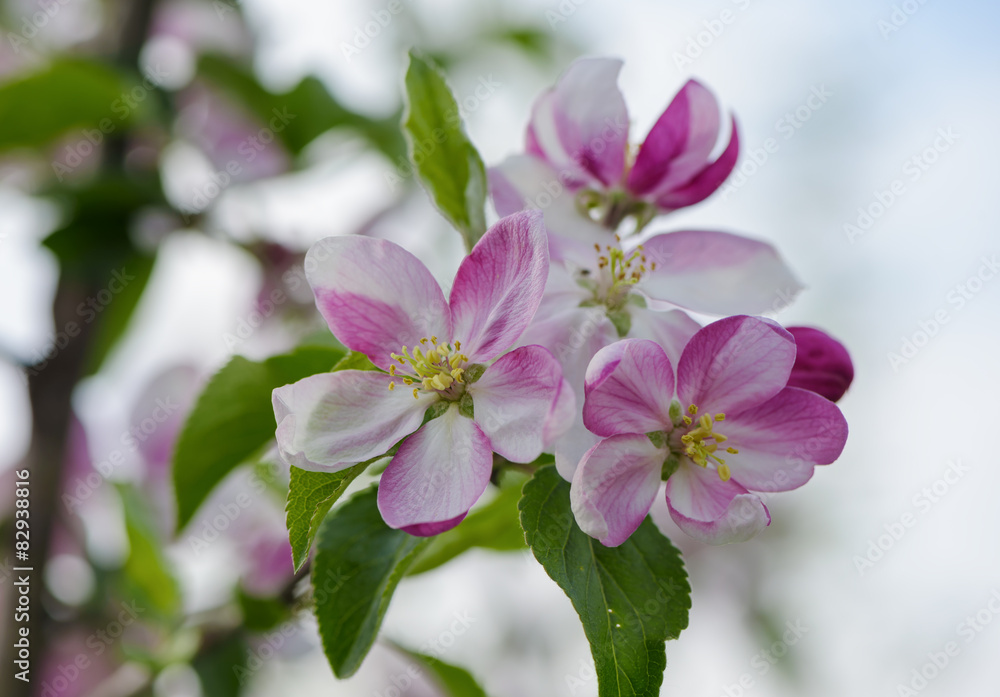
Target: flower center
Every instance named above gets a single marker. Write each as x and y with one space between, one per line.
624 270
432 366
701 443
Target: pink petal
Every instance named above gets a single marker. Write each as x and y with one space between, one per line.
330 421
513 400
717 273
711 510
525 182
615 486
781 440
629 387
573 335
705 182
437 475
822 364
672 329
734 364
678 145
375 296
561 416
581 125
499 286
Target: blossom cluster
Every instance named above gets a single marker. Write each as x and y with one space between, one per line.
569 330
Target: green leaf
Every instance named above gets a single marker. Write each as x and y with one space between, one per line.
261 614
222 668
311 495
40 107
449 166
630 598
359 562
298 116
455 681
146 571
494 526
233 418
116 315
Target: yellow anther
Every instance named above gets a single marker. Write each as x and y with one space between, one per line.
392 385
458 345
408 381
392 370
701 442
597 247
457 373
423 340
652 266
439 382
415 393
434 339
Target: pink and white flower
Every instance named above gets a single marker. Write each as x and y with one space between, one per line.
628 290
726 426
578 166
449 356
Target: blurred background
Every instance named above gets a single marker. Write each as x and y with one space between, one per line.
165 164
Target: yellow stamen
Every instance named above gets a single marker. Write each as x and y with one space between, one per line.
392 370
724 473
720 417
415 393
392 385
458 345
692 410
734 451
686 420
